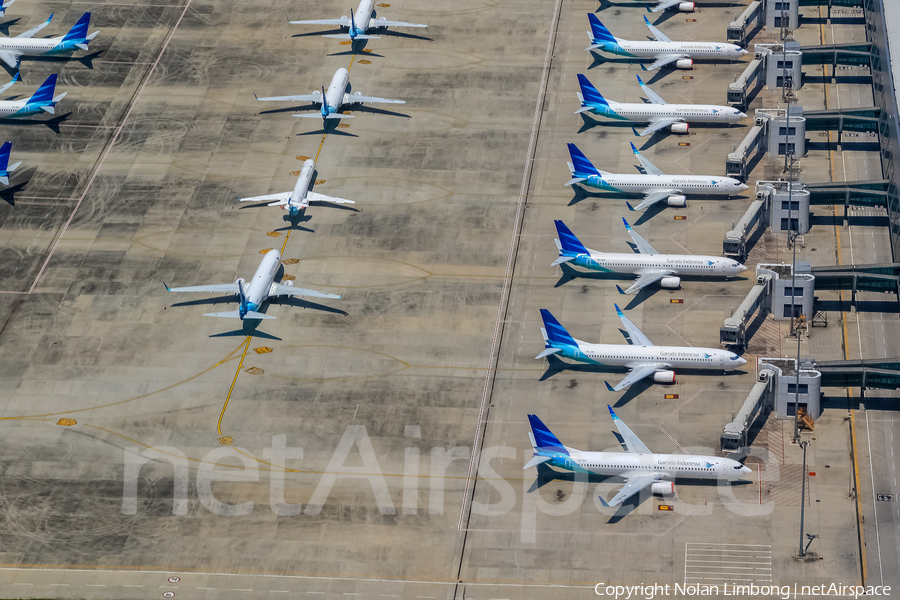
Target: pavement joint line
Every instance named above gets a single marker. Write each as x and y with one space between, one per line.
109 146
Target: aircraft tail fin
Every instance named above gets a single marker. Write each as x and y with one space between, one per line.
5 151
582 166
45 92
556 333
567 239
544 438
599 31
589 92
79 31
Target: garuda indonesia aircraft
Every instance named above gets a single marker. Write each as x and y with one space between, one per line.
680 5
332 100
641 357
358 24
639 467
5 168
4 5
296 201
653 184
649 265
42 100
658 113
251 295
14 48
662 50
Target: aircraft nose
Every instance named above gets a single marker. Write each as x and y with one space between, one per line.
741 268
742 115
746 470
742 361
744 186
743 52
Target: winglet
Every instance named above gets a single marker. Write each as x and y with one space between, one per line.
620 290
612 413
635 132
630 207
627 226
633 149
646 20
255 96
641 83
619 311
643 68
602 501
167 287
609 387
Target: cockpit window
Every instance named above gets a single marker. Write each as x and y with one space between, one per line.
737 468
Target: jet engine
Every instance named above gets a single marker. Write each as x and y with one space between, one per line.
290 283
670 282
686 7
663 488
664 377
357 93
677 200
678 127
684 63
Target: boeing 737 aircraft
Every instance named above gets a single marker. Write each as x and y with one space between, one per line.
358 24
5 168
4 5
252 295
639 467
299 199
333 99
14 48
42 100
649 265
642 358
659 113
653 184
662 50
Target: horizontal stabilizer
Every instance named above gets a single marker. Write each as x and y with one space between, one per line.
49 110
4 180
575 180
13 167
81 46
583 109
236 314
561 260
548 352
60 97
339 116
346 36
537 460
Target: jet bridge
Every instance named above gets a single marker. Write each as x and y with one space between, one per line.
734 330
737 91
734 436
872 373
735 243
736 162
737 30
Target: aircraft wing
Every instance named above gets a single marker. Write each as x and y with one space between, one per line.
385 23
632 442
34 30
342 22
649 167
10 59
659 35
642 244
664 60
651 198
314 197
212 289
636 375
359 99
646 278
314 97
279 289
636 482
637 337
657 124
653 96
275 198
6 86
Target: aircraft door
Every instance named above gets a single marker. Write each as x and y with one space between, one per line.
721 360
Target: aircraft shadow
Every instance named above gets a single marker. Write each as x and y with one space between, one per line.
53 123
379 111
8 194
330 127
292 109
4 27
248 327
302 303
87 60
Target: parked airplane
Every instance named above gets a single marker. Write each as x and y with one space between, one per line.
641 357
296 201
12 49
5 168
42 100
333 99
662 50
659 113
358 24
649 265
653 184
640 467
252 294
4 5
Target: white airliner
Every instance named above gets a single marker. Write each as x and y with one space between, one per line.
359 23
653 183
639 467
641 357
649 265
296 201
13 48
252 294
43 100
333 99
659 113
662 50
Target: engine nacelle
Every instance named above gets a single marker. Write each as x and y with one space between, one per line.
678 127
686 7
677 200
664 377
290 283
670 282
663 488
357 93
684 63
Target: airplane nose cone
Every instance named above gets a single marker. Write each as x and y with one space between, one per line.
742 361
742 115
744 186
746 470
743 52
741 268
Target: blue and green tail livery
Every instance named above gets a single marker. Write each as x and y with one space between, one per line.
556 333
45 92
567 239
582 165
79 31
599 31
544 438
589 92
